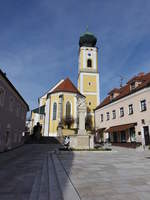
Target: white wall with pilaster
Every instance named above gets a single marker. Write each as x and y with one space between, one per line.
47 112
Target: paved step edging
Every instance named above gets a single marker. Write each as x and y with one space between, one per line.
69 192
54 187
44 185
34 195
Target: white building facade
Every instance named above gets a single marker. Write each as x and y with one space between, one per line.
123 117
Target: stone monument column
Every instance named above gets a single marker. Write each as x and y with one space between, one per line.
81 115
81 140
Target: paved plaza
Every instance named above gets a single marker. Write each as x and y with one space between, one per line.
118 175
36 172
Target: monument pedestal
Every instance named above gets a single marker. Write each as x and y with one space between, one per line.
82 132
82 141
59 130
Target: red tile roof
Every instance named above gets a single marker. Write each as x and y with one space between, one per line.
125 90
66 86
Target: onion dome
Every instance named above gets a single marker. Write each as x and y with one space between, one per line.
87 39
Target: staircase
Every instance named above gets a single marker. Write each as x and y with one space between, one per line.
43 140
52 182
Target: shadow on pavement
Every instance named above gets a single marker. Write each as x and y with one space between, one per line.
35 172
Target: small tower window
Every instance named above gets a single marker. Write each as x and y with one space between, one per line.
89 63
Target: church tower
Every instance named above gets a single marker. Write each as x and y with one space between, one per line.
88 76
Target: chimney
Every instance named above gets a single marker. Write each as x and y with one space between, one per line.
141 74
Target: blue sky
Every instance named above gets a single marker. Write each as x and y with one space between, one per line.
39 41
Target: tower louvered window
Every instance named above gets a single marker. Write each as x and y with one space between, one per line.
89 63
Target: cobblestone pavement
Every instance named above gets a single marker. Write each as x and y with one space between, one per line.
119 175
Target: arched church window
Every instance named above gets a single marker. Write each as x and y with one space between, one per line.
68 109
54 111
2 96
89 63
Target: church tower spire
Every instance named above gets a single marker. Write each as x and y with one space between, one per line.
88 75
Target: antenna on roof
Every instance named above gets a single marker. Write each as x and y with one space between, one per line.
121 81
87 28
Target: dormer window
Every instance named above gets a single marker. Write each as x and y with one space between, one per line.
112 96
114 93
132 86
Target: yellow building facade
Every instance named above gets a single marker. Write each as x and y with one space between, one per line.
68 99
61 108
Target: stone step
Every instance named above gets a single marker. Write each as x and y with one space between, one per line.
44 184
52 182
68 190
34 195
54 187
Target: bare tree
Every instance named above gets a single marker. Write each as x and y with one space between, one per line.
68 121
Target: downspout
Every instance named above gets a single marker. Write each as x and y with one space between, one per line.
49 114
